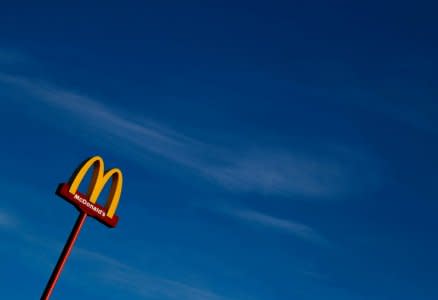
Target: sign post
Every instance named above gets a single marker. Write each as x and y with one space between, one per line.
87 206
64 255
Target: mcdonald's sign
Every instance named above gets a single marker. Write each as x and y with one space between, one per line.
87 205
87 202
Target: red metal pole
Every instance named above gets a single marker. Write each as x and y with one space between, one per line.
64 255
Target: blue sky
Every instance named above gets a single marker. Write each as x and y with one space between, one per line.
270 151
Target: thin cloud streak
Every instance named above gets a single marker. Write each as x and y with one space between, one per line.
295 229
144 135
142 284
277 172
111 272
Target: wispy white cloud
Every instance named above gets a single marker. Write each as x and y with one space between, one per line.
328 172
143 135
295 229
142 284
107 270
332 171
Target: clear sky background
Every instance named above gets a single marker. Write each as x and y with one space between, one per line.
270 150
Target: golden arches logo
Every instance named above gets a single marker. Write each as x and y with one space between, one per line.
99 179
98 182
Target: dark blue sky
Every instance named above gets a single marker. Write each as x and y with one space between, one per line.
270 151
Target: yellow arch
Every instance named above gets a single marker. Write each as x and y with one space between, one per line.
98 182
